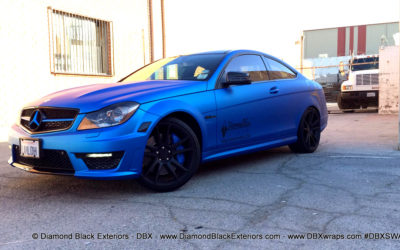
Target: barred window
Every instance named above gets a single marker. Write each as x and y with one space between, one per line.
79 45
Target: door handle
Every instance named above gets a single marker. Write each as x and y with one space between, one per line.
273 90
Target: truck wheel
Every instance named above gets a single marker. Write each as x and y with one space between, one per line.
341 103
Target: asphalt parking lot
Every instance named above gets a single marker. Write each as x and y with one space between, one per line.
350 186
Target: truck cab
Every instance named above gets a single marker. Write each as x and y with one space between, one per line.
361 90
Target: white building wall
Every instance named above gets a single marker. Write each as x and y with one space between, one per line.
24 44
389 80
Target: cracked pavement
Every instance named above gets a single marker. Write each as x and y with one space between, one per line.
351 185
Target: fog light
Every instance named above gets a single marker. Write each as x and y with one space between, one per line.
101 161
99 155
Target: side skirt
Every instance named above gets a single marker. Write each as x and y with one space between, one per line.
249 149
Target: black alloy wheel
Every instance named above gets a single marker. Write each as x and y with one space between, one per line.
309 132
171 157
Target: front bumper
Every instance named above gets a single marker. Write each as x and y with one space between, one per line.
361 96
124 139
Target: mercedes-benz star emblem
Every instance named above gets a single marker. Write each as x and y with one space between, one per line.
35 120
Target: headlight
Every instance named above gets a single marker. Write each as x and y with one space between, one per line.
109 116
347 87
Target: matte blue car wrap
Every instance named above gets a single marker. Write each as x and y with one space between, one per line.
229 120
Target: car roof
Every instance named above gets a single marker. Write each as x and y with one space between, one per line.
238 51
245 51
212 52
242 51
227 52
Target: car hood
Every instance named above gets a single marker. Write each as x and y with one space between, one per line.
93 97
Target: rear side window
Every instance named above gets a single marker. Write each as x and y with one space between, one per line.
277 70
251 64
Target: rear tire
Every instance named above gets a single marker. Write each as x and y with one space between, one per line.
171 157
308 133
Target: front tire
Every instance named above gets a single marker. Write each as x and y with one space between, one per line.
171 157
308 133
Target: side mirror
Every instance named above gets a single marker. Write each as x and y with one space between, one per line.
237 78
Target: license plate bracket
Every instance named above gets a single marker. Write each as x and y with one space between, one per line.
370 94
29 147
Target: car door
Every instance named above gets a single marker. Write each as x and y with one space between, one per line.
287 100
242 110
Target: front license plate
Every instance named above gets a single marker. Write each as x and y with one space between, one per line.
371 94
30 148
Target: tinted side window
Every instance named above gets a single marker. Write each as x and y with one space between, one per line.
251 64
277 70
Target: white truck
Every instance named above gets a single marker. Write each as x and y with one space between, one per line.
361 90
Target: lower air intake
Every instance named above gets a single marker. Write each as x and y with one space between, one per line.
54 161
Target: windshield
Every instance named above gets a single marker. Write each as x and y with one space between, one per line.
198 67
365 63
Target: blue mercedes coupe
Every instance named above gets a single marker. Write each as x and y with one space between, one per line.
161 122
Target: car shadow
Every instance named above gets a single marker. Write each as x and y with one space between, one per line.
242 161
40 185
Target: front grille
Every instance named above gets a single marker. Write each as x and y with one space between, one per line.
56 161
367 79
52 119
102 163
49 126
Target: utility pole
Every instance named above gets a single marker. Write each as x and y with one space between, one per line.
151 32
300 42
164 49
301 53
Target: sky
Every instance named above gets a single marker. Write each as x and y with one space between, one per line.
272 27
